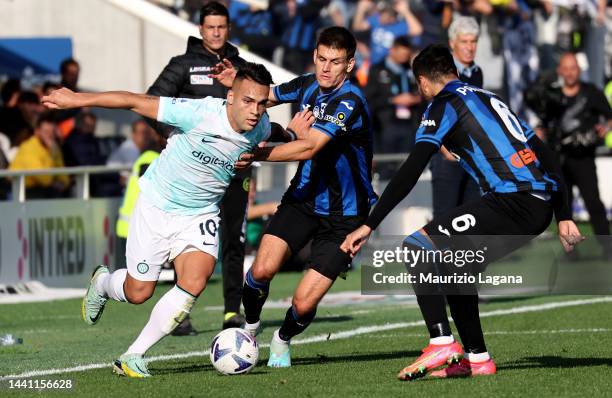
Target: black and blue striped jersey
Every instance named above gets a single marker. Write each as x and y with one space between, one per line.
487 137
337 180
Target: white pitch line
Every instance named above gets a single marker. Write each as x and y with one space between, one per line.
511 332
329 336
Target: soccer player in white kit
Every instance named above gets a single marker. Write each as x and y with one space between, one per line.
176 214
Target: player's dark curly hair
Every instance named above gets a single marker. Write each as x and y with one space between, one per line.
435 62
339 38
256 72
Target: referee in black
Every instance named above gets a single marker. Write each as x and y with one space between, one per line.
186 76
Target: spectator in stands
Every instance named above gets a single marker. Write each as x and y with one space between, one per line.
70 69
519 51
127 153
10 117
17 123
451 185
82 148
342 12
393 97
252 28
574 112
435 17
385 21
303 20
30 107
10 93
49 87
42 151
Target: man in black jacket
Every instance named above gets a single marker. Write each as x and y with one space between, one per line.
187 76
577 116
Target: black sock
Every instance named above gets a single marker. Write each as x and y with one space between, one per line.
295 324
433 309
254 295
465 312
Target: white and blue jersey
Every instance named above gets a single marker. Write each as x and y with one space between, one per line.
191 174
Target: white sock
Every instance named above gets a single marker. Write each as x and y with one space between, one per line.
482 357
251 326
167 314
278 339
442 340
111 285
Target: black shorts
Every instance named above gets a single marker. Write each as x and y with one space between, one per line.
501 222
297 224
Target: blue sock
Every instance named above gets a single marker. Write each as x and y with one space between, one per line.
254 295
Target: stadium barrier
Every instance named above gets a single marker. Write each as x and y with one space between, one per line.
58 241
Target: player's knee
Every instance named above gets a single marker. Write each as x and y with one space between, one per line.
304 305
138 294
194 286
261 272
137 291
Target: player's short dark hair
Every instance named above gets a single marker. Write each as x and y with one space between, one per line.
67 62
402 41
338 38
256 72
46 117
435 62
213 8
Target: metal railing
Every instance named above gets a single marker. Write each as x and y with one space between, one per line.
81 174
266 180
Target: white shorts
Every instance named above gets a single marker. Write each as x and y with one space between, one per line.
156 237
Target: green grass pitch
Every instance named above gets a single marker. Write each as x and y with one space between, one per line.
545 352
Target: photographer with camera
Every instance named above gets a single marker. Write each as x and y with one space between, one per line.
576 116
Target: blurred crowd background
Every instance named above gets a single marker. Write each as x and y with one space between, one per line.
529 35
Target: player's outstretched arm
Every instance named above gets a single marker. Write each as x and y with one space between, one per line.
398 188
302 149
145 105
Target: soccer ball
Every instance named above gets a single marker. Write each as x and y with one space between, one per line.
234 351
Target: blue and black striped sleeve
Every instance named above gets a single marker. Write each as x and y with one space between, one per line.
527 130
341 115
438 120
292 90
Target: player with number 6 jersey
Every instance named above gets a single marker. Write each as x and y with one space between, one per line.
521 186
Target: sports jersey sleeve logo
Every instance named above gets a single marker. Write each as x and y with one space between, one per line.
428 123
522 158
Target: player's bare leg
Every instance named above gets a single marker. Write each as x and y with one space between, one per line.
193 271
307 296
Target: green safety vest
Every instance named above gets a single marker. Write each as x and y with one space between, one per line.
131 193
